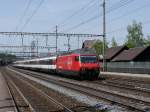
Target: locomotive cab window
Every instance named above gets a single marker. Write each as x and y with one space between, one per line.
88 59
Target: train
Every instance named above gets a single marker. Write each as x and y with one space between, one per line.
82 66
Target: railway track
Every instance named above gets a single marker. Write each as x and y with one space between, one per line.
12 97
113 97
137 80
21 102
37 100
125 88
121 87
130 82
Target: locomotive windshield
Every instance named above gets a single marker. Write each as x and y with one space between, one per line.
88 59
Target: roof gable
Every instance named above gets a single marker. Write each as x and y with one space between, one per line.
88 43
130 55
114 51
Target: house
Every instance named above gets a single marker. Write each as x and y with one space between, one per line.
88 43
134 60
138 54
113 52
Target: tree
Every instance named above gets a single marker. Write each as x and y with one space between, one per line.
147 41
98 46
113 42
135 36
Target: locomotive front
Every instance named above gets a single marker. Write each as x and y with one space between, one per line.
89 66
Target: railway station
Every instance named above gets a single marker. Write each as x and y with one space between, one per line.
74 56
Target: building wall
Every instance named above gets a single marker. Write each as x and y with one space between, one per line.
144 57
129 67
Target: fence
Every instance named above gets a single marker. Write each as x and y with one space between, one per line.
129 67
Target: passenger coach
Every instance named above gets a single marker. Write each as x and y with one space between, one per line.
42 64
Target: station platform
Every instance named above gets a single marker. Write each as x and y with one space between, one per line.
6 102
128 75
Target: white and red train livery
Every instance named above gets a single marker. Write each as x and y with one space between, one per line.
78 65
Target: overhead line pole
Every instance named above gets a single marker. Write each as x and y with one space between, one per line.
56 37
104 35
22 44
68 43
37 48
78 41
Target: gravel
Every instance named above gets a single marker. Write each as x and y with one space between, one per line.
75 95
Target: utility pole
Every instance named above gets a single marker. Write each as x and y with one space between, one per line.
37 48
56 37
104 35
46 40
68 43
22 44
78 41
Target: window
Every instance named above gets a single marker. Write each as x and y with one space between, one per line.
88 59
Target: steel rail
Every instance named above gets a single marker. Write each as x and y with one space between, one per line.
12 96
50 98
92 89
131 80
22 96
121 86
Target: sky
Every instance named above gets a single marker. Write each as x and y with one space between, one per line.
71 16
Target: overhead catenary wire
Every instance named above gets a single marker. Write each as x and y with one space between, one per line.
129 13
84 8
24 14
116 6
81 11
31 16
82 23
136 10
124 27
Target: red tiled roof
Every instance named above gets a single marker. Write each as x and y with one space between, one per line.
129 55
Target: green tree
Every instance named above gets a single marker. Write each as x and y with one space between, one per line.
98 46
113 42
147 41
135 36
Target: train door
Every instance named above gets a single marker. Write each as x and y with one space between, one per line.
69 63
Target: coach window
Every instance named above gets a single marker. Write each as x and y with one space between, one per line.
34 62
44 62
50 61
47 62
40 61
53 62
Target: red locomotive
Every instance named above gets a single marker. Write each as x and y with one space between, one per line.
82 65
79 65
